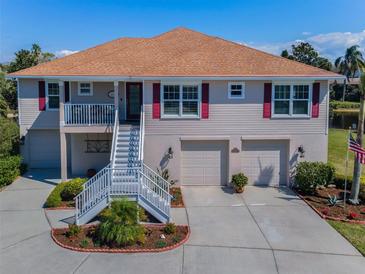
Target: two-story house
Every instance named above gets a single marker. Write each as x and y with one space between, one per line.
201 106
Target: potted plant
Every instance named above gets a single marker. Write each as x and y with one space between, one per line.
239 181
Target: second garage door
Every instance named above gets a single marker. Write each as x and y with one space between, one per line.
204 162
265 162
44 149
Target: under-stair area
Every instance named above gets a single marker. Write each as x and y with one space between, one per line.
125 176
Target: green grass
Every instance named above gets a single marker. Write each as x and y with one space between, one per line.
354 233
337 148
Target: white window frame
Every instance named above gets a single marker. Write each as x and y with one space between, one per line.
47 96
243 91
181 115
291 99
85 94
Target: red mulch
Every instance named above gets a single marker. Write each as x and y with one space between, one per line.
177 200
153 235
320 202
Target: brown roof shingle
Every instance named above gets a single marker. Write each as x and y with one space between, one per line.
179 52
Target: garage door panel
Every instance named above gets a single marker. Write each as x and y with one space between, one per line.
44 149
204 162
265 162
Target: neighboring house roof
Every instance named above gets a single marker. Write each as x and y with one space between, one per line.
177 53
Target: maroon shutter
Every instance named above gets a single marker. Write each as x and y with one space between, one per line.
205 101
67 92
267 100
41 95
315 100
156 108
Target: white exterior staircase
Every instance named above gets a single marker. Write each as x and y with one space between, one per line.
125 176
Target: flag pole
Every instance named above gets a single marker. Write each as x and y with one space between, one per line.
346 168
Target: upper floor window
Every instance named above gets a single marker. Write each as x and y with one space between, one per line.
85 89
291 100
53 96
236 90
180 100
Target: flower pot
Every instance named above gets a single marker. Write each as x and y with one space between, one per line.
239 189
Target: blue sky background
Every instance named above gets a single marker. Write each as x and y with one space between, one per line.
64 26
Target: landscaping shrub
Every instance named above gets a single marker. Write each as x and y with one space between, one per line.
119 224
339 181
9 137
239 180
73 230
10 168
84 243
344 105
170 228
72 189
160 244
309 175
54 199
362 192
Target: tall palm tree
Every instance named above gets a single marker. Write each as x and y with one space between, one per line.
355 188
350 64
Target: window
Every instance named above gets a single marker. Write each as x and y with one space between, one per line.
236 90
291 100
53 95
180 100
85 89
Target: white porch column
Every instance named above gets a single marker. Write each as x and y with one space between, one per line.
116 95
61 85
63 142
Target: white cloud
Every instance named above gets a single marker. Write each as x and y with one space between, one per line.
330 45
306 33
65 52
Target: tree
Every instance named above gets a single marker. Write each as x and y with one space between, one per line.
350 64
304 52
8 91
28 58
355 188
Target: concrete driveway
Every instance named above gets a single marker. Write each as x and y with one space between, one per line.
265 230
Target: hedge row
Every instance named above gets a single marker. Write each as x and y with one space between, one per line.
65 191
10 168
344 105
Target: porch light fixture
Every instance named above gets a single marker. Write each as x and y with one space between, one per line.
170 153
301 151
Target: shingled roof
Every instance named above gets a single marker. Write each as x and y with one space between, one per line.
179 52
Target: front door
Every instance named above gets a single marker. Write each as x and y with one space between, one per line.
134 100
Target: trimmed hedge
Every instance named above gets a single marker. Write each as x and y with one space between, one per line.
339 181
65 191
10 168
344 105
309 175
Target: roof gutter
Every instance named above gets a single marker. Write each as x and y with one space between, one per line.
175 78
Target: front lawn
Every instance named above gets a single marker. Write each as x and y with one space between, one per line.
354 233
337 148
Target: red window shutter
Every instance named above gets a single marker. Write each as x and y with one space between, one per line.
67 92
205 101
315 100
267 100
42 95
156 108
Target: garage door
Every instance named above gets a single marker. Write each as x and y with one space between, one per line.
265 162
44 149
204 162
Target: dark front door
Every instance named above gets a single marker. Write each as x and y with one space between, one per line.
134 100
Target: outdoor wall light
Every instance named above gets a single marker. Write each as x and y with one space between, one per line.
170 153
301 151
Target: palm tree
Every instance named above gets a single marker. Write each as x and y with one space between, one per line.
350 64
355 188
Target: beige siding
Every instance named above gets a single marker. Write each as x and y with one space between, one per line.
230 117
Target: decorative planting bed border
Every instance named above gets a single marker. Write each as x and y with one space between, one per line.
120 250
325 216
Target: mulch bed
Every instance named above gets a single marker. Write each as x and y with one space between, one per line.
152 244
319 202
177 200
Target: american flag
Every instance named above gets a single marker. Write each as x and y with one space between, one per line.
355 147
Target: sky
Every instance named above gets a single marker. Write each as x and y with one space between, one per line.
63 27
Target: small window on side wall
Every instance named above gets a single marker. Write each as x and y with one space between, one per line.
85 89
236 90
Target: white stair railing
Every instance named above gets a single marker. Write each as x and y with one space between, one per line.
115 134
141 135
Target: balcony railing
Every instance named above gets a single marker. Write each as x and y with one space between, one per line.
89 114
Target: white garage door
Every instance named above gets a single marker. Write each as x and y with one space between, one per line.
204 162
265 162
44 149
